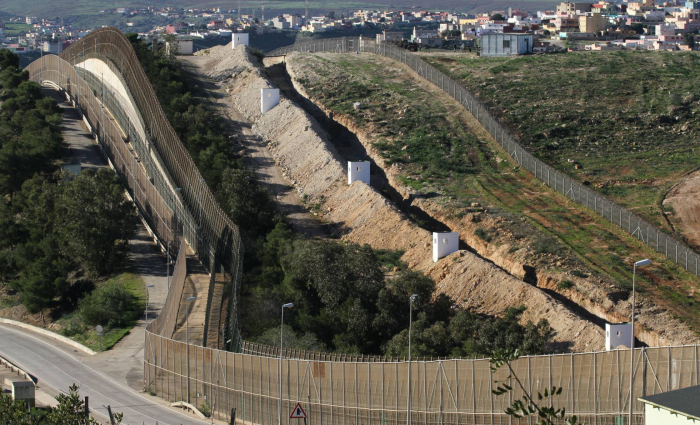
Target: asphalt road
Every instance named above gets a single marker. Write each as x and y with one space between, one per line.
56 365
115 376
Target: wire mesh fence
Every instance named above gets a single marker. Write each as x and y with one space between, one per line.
663 243
595 385
171 172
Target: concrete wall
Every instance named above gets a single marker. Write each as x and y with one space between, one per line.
240 38
618 334
444 244
269 98
358 171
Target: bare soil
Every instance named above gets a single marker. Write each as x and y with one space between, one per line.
683 208
361 214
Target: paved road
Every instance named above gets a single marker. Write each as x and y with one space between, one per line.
57 365
113 377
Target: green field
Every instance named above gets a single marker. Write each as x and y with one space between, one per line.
443 155
627 123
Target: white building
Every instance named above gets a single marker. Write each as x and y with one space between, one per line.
617 334
444 244
358 171
679 407
269 98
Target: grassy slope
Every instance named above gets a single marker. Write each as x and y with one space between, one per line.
88 337
439 155
630 119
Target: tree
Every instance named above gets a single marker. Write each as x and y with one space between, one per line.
547 415
8 59
247 203
96 221
689 39
497 17
71 410
108 305
16 412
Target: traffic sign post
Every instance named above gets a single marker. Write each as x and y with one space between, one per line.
298 413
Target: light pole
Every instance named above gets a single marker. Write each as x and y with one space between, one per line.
187 343
167 254
413 299
147 299
639 263
279 416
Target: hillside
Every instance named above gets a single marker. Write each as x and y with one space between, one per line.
78 7
440 161
627 123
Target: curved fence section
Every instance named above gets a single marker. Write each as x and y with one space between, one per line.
208 230
673 249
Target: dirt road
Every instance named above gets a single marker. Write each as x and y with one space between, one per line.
256 155
684 201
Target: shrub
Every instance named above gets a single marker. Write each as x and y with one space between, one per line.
205 408
565 284
483 234
579 273
109 305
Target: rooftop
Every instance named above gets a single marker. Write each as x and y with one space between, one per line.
684 401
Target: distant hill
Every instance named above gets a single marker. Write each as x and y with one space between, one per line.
50 9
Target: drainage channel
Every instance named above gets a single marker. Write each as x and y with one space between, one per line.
350 148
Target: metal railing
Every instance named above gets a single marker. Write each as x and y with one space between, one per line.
208 230
626 220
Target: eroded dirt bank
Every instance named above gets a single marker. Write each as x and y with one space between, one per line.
591 298
312 164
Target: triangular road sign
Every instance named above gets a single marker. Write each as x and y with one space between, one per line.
298 412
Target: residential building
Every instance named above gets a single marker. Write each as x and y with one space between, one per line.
390 36
592 23
31 20
566 23
506 44
570 8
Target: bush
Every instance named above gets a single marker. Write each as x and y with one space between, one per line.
565 284
579 273
109 305
483 234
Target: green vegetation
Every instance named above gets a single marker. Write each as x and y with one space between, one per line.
443 155
70 410
59 233
344 302
627 123
116 305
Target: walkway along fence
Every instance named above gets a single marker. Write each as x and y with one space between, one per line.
663 243
171 171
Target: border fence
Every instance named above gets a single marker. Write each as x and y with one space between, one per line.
335 390
171 171
640 229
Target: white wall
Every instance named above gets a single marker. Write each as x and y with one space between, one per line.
269 98
618 334
358 170
654 416
444 244
240 38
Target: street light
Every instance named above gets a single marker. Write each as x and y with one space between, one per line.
640 263
147 298
413 298
279 416
187 343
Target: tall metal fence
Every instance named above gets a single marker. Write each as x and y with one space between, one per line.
640 229
208 230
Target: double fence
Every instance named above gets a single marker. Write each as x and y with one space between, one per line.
172 172
638 228
595 386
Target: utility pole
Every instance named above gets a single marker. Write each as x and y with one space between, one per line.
306 13
263 12
239 11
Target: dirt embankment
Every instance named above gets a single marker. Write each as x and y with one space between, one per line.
311 163
684 202
592 298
